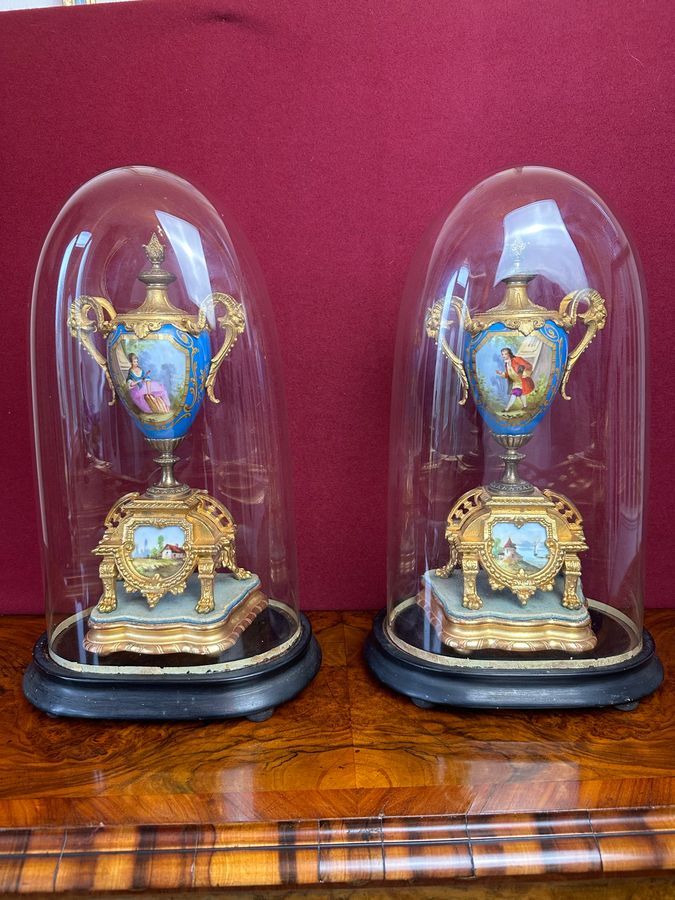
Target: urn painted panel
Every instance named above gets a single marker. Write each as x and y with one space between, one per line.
160 378
514 377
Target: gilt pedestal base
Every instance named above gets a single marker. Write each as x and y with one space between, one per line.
174 626
502 622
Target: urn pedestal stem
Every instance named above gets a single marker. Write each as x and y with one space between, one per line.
511 482
167 486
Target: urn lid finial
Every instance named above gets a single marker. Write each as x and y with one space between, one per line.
155 275
154 250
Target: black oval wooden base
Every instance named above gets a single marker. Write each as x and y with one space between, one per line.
253 692
428 685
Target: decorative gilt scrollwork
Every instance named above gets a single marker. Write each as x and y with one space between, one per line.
233 324
209 544
155 586
228 560
522 584
565 508
593 318
435 327
447 570
82 327
523 324
470 536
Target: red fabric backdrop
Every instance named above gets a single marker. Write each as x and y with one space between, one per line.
335 131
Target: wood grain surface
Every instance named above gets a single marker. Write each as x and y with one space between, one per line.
348 784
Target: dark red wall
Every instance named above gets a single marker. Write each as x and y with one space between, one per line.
335 131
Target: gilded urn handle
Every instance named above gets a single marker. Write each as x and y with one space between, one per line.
83 327
593 317
233 324
435 327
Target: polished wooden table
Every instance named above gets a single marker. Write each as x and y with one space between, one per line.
348 784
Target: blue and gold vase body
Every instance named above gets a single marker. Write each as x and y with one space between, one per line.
160 378
158 359
513 359
513 376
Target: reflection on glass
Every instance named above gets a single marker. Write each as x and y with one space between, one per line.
189 251
536 242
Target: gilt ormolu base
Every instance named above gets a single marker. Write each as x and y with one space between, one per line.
253 691
503 622
173 626
538 686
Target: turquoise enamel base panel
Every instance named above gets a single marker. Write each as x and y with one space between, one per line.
543 606
177 609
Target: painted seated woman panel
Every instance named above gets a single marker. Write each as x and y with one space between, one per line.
148 395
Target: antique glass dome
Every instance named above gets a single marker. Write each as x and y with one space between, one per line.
517 468
168 546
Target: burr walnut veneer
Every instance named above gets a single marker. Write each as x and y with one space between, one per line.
345 785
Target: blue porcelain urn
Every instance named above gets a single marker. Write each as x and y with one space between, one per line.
158 358
514 359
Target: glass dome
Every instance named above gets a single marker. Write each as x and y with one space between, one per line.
168 546
517 470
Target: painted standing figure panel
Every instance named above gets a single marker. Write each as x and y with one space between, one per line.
516 376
